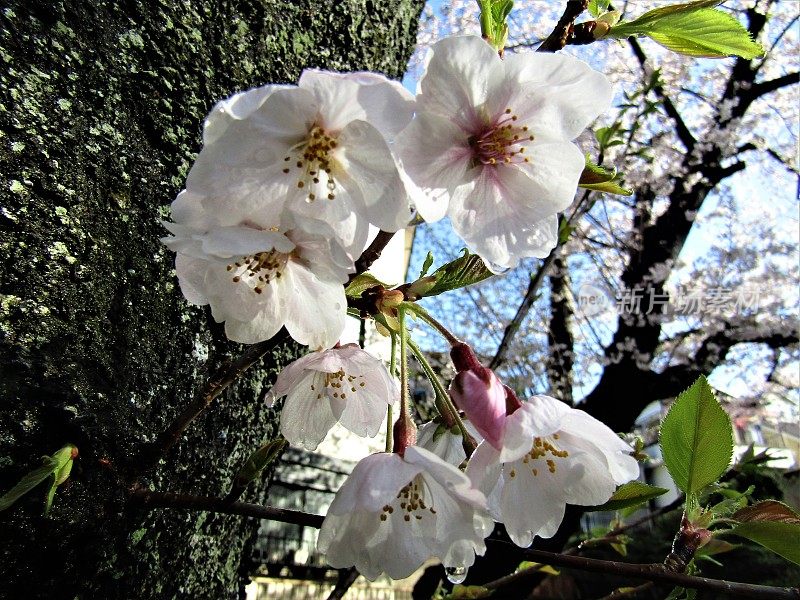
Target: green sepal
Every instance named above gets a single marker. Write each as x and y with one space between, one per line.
694 29
630 494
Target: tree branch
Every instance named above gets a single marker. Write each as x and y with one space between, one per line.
226 374
347 577
372 253
761 88
560 340
558 38
650 572
684 134
150 500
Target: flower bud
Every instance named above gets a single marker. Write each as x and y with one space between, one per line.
482 397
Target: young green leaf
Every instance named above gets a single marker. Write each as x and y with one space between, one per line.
57 466
426 266
632 493
694 29
597 7
696 438
597 178
259 460
780 537
362 283
461 272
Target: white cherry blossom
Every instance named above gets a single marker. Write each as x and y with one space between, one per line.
317 150
395 512
552 455
259 276
445 443
490 145
344 384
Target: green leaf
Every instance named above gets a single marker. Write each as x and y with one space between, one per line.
259 460
694 29
768 510
463 271
362 283
597 178
632 493
780 537
57 466
542 568
598 7
696 438
426 266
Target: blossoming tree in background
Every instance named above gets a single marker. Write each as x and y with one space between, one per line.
271 233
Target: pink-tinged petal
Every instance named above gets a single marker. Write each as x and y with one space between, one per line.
373 483
484 403
305 418
263 326
508 215
293 374
345 97
435 157
344 538
368 165
557 96
318 319
461 72
325 257
187 209
191 277
456 482
484 467
228 242
236 108
534 418
589 433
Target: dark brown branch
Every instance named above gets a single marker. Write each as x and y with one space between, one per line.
629 592
347 577
684 134
147 499
226 374
560 340
524 307
761 88
650 572
558 38
372 253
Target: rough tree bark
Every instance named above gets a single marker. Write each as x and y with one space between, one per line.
101 109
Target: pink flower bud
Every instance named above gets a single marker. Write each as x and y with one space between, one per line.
481 395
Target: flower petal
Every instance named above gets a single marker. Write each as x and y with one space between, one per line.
315 309
305 418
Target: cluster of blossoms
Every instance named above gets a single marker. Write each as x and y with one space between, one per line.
278 206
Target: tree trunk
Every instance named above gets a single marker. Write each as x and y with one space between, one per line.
101 112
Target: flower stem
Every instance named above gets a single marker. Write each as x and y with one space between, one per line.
426 316
444 404
405 432
392 369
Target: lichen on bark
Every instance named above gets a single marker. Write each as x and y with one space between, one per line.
101 109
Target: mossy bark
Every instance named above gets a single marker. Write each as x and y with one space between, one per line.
101 109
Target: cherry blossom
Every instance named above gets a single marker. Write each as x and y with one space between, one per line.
317 150
395 512
253 272
552 455
445 443
490 145
344 384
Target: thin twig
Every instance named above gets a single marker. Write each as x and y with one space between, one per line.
347 577
558 38
148 499
651 572
226 374
372 253
628 592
